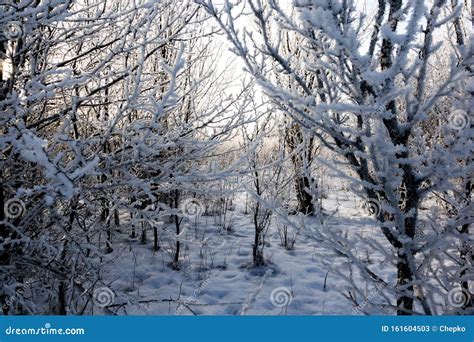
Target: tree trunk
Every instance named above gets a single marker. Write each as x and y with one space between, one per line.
143 239
301 161
404 285
62 291
104 218
405 273
305 200
257 252
177 222
405 276
156 246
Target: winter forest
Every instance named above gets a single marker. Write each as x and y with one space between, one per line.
236 157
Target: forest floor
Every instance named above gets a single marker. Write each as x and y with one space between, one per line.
217 277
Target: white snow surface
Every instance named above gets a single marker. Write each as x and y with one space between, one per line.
217 277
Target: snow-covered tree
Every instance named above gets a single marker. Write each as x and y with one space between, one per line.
371 100
106 109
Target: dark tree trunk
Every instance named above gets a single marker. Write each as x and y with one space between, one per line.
62 292
156 245
301 161
104 218
404 285
305 200
133 232
259 221
405 276
63 285
257 250
177 223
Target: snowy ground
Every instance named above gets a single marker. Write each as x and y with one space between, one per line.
217 278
